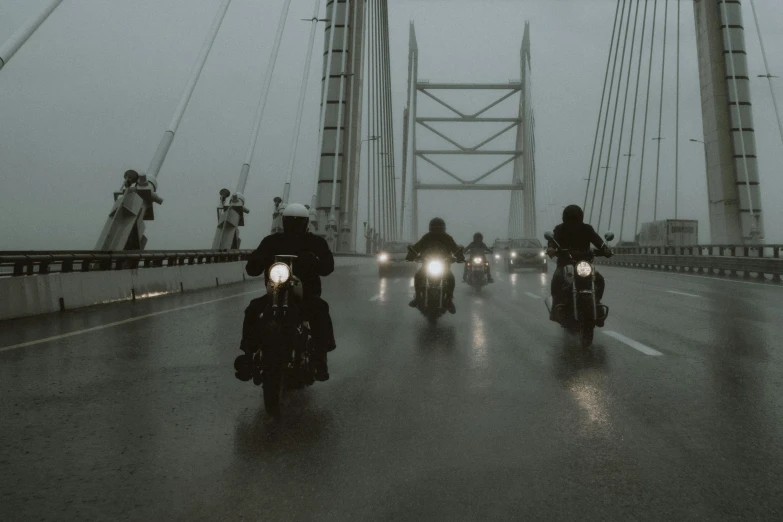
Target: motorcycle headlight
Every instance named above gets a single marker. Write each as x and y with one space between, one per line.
497 256
477 260
584 269
279 273
543 254
513 254
435 268
383 258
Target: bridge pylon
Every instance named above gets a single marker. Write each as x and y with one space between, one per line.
522 213
730 146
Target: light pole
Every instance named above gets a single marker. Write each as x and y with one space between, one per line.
704 145
367 231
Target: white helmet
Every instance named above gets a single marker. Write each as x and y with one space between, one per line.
296 210
295 219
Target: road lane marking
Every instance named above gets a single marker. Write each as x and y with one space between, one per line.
682 293
633 344
118 323
375 297
534 296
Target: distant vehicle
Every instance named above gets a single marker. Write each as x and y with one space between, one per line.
500 249
526 253
392 257
669 232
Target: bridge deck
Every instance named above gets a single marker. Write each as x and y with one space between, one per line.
492 414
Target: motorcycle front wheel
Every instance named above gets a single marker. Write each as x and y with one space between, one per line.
273 387
586 334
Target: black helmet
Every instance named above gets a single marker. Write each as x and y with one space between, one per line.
437 225
478 237
573 214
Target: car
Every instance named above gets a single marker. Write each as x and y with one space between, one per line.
528 253
500 249
392 256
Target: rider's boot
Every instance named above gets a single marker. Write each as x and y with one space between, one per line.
321 368
450 306
244 363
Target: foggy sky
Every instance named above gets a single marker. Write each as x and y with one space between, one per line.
91 93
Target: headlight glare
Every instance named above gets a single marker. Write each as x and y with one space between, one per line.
497 256
477 260
543 254
583 269
279 273
513 254
383 257
435 268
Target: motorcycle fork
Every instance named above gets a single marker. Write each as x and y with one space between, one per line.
595 303
574 295
440 285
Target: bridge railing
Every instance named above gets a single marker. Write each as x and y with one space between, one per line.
28 263
762 261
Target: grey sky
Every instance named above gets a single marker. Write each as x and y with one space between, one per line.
91 93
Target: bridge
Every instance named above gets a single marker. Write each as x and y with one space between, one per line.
119 399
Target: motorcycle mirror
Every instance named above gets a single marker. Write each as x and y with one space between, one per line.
549 236
609 236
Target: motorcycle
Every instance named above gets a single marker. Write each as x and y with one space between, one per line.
432 299
579 313
283 363
476 275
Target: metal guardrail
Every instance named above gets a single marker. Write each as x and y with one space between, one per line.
728 263
757 251
27 263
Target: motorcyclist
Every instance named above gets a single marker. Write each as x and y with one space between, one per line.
314 260
477 247
573 234
436 241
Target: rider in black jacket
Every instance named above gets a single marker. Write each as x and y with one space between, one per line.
574 234
436 241
477 247
314 261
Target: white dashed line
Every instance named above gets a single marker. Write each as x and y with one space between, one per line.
534 296
375 297
682 293
117 323
633 344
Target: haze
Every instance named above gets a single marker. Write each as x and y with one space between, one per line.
91 93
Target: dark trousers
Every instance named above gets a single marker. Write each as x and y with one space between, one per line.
558 280
316 312
420 282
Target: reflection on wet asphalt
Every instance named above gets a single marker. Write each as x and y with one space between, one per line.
494 413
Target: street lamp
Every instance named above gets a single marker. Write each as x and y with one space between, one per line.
370 138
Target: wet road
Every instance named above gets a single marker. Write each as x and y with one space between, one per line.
495 413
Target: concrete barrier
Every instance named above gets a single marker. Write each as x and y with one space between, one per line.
41 294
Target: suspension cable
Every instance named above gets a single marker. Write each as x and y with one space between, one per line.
646 114
614 117
766 69
633 118
622 120
677 126
300 106
606 114
660 109
601 106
